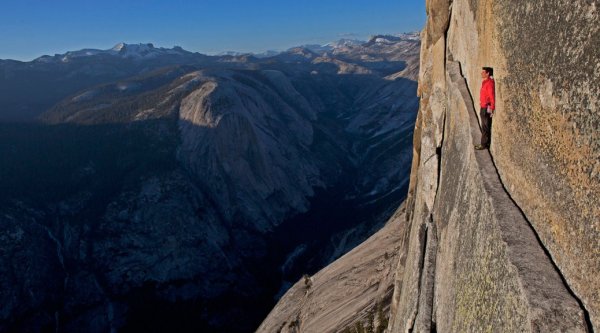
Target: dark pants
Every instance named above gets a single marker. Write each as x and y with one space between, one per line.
486 127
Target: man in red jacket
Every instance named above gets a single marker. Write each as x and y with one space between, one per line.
487 102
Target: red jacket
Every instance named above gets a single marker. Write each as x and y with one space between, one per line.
487 95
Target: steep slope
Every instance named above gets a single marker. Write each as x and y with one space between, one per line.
354 290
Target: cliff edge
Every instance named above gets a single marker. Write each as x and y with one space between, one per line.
505 240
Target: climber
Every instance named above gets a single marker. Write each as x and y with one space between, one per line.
487 102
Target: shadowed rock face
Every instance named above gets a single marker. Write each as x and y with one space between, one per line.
188 197
231 127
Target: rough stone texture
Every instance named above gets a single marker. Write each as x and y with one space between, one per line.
346 292
500 263
545 137
491 273
438 12
500 278
423 320
555 176
424 181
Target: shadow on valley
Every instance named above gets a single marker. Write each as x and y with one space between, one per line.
135 241
48 163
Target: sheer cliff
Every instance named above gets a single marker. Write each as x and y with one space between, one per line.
504 240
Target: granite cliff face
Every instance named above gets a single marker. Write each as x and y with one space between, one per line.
504 240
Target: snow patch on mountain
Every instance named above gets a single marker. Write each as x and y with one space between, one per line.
266 54
123 50
118 47
345 42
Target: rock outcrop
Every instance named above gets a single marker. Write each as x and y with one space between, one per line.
354 290
506 240
236 131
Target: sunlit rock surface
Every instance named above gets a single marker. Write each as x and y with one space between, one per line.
506 241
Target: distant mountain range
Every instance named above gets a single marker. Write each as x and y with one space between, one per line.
148 50
27 89
122 50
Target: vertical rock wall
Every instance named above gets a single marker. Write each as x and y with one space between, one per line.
506 240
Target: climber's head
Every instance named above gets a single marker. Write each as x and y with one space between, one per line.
487 72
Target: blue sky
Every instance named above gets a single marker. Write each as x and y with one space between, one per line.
31 28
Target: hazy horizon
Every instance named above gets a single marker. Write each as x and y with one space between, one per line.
35 28
216 53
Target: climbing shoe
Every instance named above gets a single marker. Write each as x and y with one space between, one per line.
480 147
